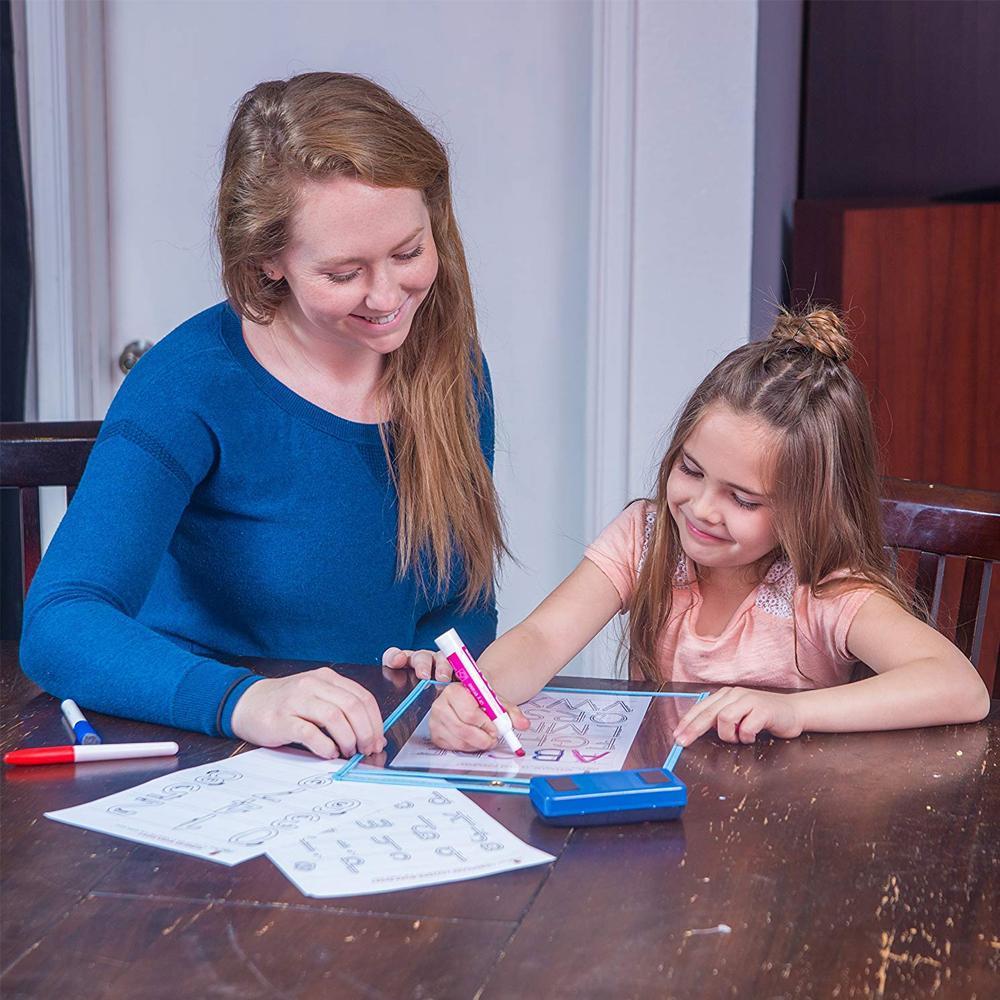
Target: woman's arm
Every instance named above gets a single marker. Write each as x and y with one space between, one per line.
922 680
81 637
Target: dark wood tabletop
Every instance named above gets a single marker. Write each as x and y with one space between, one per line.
842 865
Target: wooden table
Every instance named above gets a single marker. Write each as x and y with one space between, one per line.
845 866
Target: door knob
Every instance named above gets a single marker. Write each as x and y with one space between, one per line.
131 354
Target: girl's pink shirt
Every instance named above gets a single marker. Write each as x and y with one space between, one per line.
757 646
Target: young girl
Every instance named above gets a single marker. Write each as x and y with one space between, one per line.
760 561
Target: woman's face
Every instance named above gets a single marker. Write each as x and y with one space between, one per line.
359 261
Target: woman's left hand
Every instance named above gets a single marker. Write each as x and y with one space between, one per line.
426 663
739 715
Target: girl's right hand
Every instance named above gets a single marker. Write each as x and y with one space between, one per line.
458 723
329 714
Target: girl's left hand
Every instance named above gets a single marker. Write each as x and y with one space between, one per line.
739 715
426 663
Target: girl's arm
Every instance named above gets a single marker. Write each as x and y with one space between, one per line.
923 680
524 659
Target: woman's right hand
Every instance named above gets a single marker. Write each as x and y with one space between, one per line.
329 714
458 723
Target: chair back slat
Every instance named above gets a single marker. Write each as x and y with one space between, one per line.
927 581
946 543
31 535
968 623
989 650
949 597
42 454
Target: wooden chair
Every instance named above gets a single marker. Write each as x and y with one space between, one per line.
42 454
946 542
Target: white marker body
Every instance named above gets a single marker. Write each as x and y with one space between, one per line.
466 670
122 751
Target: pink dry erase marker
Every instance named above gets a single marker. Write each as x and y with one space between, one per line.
80 754
473 681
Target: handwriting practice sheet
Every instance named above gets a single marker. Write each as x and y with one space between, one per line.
570 732
424 836
264 800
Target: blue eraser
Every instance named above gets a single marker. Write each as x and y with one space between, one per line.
605 797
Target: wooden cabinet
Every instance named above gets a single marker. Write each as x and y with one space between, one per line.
920 286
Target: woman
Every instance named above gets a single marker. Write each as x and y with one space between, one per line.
303 471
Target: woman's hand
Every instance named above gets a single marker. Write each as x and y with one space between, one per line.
426 663
739 715
458 723
323 711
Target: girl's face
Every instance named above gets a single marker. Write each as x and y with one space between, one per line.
359 261
716 491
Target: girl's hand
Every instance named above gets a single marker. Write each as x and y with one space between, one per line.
425 662
323 711
458 723
739 715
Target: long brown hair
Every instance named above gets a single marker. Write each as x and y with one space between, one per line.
823 478
322 125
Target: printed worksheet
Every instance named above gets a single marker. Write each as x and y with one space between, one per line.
424 836
569 732
230 810
342 837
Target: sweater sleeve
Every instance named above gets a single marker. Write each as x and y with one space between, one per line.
81 639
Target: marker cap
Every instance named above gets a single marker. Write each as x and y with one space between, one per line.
83 732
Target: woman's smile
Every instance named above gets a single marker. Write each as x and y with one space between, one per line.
385 323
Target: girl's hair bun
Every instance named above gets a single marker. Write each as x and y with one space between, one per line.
820 330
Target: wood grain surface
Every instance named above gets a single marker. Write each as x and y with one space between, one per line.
829 866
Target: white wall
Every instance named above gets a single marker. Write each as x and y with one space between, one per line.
694 207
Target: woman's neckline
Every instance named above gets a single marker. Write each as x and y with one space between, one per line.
231 329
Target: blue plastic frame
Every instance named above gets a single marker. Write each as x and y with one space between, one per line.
501 786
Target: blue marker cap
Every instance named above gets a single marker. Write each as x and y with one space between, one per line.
83 732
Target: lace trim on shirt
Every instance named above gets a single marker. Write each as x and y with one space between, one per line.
681 576
777 590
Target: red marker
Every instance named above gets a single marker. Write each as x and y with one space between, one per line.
80 754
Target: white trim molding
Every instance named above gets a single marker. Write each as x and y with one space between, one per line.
610 333
69 205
